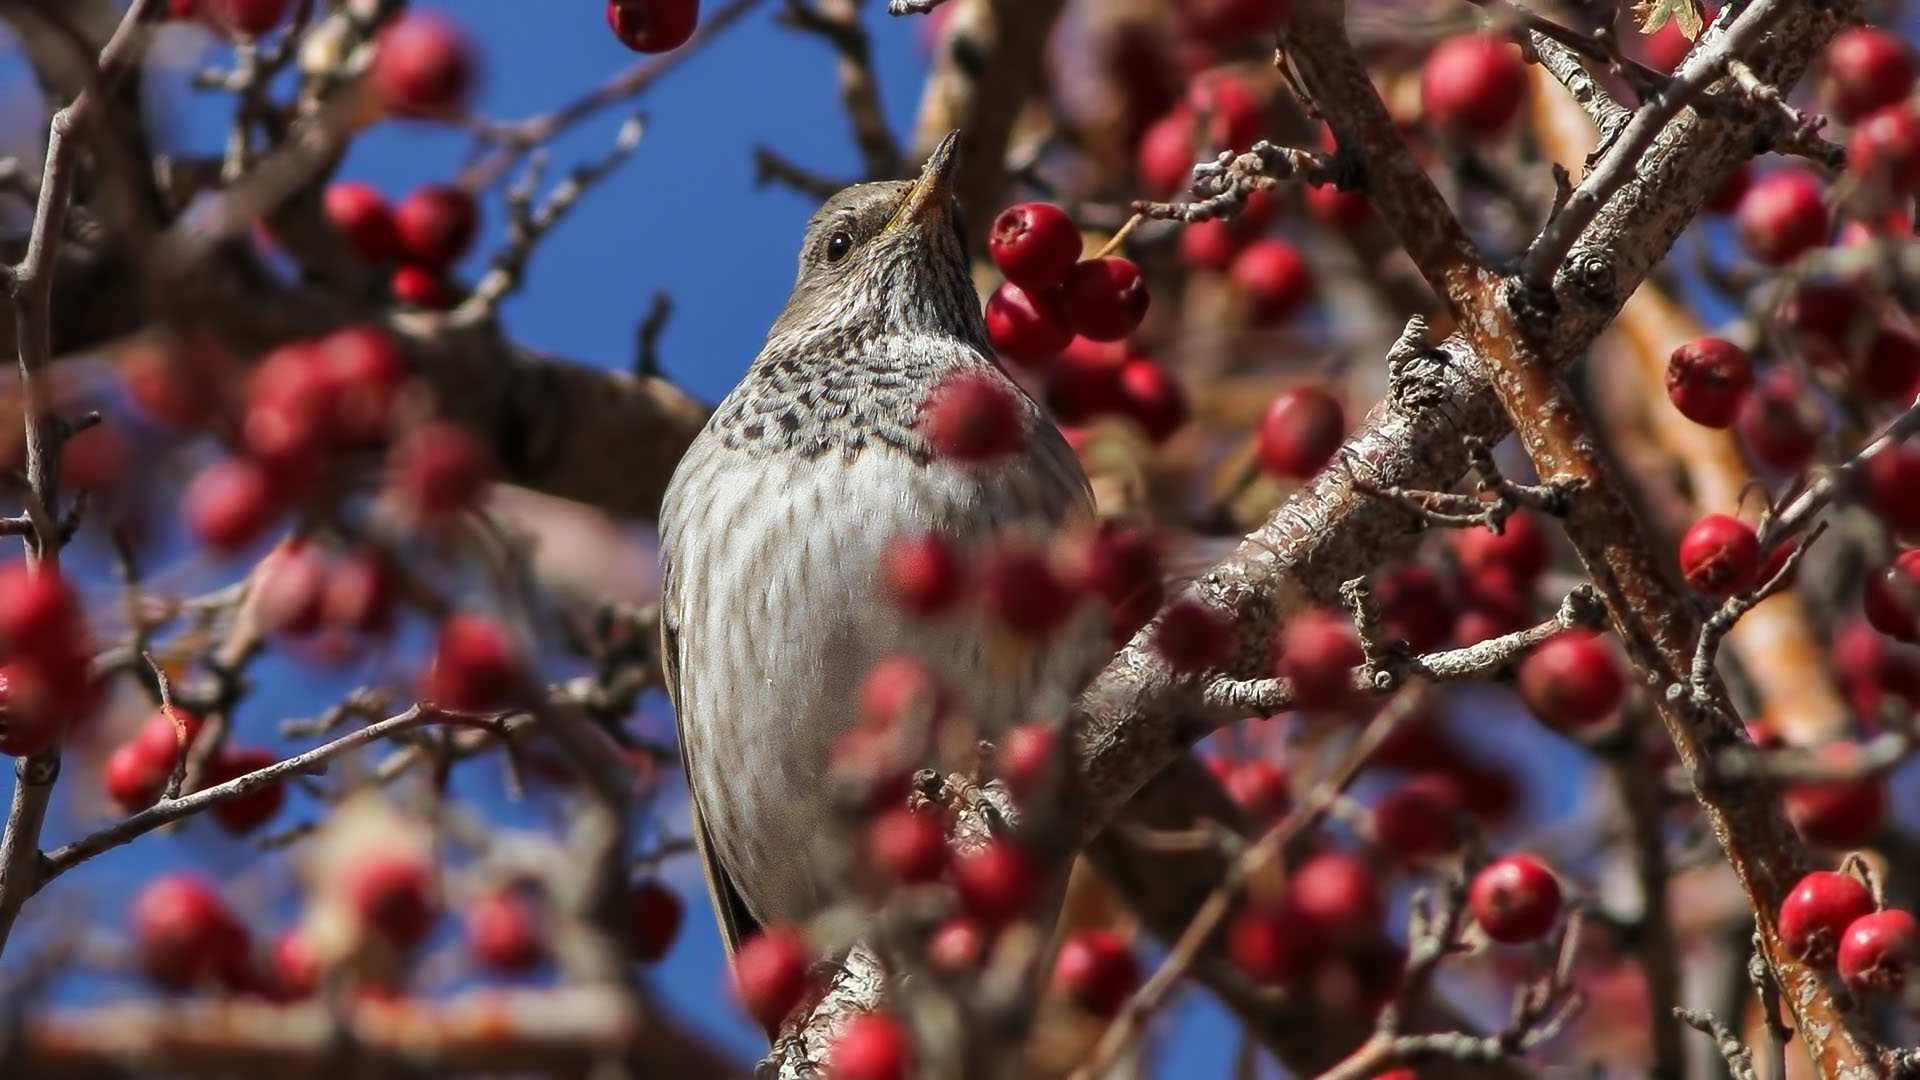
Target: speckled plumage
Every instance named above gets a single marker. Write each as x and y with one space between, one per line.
775 521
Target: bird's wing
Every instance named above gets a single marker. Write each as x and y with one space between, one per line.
736 923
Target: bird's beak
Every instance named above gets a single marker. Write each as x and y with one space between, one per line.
932 193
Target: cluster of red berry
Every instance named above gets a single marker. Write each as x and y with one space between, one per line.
1833 920
186 936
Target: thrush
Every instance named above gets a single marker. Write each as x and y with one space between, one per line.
774 527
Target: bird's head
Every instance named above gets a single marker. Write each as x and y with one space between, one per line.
888 258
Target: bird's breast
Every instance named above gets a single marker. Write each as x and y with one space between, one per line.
775 576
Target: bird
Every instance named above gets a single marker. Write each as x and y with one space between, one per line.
774 526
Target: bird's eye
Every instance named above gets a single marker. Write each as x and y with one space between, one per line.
838 245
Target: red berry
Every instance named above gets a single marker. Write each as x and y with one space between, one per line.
185 935
1301 431
1837 814
1862 657
1867 69
1421 818
249 18
361 369
1026 327
229 504
1818 911
973 417
1192 636
475 666
423 65
1274 278
362 215
1337 895
1878 950
1223 22
1707 379
1258 787
1096 968
1083 382
1318 655
1121 565
39 614
1874 229
1891 367
1417 606
1515 900
897 687
503 932
1473 85
48 679
1826 322
1209 245
1891 598
359 594
423 288
161 738
440 471
1233 116
1024 594
161 385
873 1046
1779 422
922 573
1783 216
1720 556
1889 479
1666 47
1519 549
653 26
134 778
293 969
391 894
1167 153
1272 943
1104 299
1028 755
654 915
1153 398
960 944
286 424
1572 679
1340 209
1884 151
254 809
997 882
908 846
770 974
40 696
287 588
436 225
1726 198
96 459
1034 245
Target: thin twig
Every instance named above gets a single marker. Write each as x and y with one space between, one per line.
1620 163
512 141
1207 920
31 286
134 826
527 225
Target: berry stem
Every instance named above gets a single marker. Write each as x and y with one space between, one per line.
1120 236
